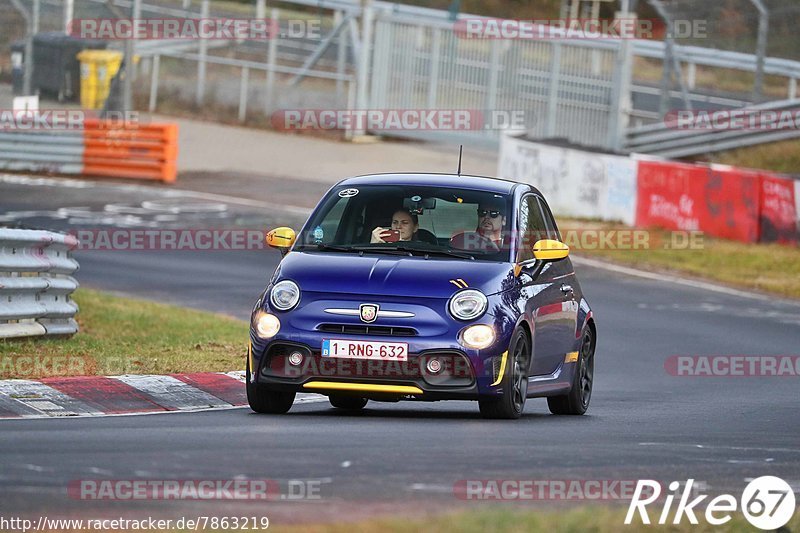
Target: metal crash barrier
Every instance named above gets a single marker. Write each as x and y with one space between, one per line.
36 282
95 148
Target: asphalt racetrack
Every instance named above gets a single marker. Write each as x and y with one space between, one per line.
406 457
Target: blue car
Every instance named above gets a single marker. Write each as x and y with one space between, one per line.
424 287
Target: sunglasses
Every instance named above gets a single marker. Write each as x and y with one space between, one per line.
493 214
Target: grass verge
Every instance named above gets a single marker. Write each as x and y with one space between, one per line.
129 336
783 156
770 268
504 520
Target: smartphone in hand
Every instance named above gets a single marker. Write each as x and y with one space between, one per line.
391 235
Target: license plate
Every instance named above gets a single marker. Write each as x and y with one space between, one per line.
382 351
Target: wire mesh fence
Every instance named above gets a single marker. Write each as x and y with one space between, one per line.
733 25
223 90
564 89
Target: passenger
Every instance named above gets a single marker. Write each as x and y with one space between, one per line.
404 222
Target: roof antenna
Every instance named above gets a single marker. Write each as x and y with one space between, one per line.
460 151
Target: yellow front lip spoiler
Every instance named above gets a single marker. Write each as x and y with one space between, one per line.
362 387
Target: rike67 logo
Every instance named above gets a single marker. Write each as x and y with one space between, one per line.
767 502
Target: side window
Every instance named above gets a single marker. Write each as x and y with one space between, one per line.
326 231
531 225
550 223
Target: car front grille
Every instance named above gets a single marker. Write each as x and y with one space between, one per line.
363 329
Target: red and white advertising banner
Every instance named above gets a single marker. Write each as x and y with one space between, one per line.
778 219
731 198
721 201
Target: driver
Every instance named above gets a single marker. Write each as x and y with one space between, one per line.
491 220
403 221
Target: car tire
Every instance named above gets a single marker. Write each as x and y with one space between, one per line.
577 401
350 403
264 400
510 405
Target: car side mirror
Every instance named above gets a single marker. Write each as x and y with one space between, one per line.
281 238
550 250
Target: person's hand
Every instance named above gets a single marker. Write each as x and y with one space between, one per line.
376 235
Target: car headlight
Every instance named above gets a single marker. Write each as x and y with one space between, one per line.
468 305
479 336
285 295
267 325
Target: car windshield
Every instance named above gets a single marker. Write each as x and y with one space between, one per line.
411 220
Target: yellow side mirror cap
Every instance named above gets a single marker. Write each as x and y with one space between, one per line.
282 238
550 250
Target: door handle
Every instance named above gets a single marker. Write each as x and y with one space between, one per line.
567 289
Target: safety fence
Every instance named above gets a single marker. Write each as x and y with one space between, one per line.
95 148
722 201
36 282
590 91
773 122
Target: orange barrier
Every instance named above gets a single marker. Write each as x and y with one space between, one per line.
148 151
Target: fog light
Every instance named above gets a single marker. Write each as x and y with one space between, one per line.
295 358
434 365
478 336
267 325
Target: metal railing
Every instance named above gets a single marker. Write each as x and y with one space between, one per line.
671 139
246 86
59 151
36 282
577 89
566 88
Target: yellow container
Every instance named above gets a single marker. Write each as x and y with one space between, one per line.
98 68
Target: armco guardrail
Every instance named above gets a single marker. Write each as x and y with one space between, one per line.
95 148
671 139
36 282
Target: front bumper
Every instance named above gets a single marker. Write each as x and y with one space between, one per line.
464 374
425 325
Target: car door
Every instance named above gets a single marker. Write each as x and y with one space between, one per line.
566 292
545 289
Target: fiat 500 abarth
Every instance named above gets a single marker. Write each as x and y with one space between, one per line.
424 287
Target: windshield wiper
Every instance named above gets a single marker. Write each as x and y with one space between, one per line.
397 250
331 247
422 251
351 249
452 253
